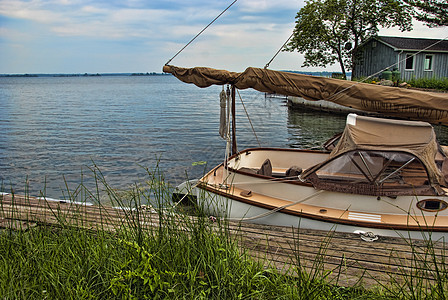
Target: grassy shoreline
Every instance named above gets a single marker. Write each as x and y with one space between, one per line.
182 258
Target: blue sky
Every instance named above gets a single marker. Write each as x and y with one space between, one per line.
79 36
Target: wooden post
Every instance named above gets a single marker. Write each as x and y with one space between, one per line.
234 147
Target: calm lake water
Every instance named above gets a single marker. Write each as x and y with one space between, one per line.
54 129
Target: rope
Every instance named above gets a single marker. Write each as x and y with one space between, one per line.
276 209
189 190
227 154
223 114
267 65
250 122
200 32
268 213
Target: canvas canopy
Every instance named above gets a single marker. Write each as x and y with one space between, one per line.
399 102
386 134
377 134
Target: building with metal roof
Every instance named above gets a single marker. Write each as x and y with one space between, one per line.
412 57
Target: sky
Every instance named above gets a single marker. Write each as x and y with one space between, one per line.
115 36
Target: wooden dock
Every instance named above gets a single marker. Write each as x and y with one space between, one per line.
325 106
344 258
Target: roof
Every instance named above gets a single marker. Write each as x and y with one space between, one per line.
402 43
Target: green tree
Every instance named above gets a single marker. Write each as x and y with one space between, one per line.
432 12
330 31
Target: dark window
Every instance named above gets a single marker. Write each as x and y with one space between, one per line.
428 63
409 62
432 205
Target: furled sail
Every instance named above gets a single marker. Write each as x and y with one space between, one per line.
396 102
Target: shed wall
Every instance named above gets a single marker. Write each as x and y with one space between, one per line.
439 66
374 57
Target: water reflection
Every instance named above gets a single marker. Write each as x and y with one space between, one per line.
310 129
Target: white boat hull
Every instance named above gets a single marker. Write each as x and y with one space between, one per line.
240 196
233 210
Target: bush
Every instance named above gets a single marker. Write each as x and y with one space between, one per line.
430 83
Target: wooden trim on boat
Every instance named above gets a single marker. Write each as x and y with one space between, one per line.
279 150
283 180
334 220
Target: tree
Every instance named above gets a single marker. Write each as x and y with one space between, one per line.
330 31
432 12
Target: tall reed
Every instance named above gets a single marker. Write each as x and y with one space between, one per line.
159 255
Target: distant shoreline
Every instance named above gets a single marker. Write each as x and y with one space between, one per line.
323 74
85 74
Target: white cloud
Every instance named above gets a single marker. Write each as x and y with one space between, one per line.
419 31
143 35
82 18
86 20
90 9
254 6
28 11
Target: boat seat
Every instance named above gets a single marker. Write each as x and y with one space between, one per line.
293 171
248 170
266 168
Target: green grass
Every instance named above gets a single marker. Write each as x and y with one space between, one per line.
184 258
440 84
430 83
76 264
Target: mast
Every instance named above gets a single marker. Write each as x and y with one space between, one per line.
234 146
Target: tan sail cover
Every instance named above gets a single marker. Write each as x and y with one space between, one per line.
366 133
399 102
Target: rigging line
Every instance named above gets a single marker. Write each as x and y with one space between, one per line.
265 181
201 32
250 122
188 193
267 65
374 74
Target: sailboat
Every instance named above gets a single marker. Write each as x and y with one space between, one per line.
380 177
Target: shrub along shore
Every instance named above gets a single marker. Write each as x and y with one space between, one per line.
198 260
440 84
426 84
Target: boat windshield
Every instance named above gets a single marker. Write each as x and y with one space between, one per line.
373 173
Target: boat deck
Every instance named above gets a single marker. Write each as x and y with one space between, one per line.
350 259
